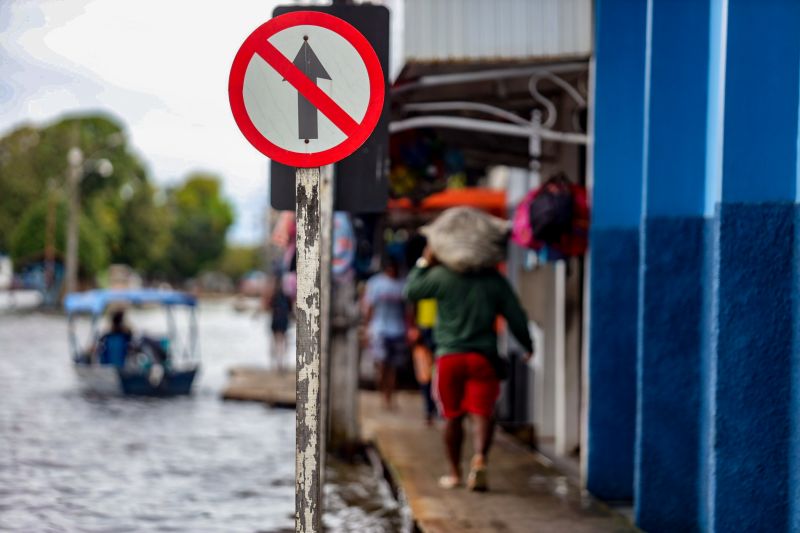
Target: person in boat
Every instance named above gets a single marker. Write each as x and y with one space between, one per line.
118 343
114 344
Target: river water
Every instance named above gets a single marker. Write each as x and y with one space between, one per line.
72 462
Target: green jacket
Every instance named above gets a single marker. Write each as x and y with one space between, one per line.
467 306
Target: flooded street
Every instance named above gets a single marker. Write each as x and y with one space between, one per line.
73 462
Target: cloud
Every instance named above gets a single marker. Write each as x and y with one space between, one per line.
162 67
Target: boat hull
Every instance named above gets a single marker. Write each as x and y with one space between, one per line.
110 380
99 379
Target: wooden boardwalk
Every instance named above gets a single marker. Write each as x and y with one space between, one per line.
264 385
526 495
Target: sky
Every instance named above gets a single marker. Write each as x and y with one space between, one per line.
161 66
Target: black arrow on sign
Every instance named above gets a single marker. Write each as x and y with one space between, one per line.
308 62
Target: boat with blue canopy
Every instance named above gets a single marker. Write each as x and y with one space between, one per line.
121 361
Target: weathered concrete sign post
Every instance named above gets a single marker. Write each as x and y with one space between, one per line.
306 89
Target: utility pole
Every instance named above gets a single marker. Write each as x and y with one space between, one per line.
49 246
76 169
74 176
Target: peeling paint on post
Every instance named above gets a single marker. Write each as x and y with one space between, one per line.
308 485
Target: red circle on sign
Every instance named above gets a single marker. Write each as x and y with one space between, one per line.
255 42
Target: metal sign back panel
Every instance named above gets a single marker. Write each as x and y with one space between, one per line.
362 177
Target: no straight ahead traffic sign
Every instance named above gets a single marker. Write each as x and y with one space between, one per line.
306 89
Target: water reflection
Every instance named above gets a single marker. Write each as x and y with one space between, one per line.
71 462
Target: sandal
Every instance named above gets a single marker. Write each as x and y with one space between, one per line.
477 480
449 482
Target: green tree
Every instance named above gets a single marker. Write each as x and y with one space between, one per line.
20 184
29 238
239 260
201 218
120 208
145 235
176 238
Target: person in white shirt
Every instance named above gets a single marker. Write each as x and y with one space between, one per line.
385 315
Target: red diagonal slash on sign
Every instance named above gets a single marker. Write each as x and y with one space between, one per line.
306 87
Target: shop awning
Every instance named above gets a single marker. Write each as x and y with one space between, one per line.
489 200
96 301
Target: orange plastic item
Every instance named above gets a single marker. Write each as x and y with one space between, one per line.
490 200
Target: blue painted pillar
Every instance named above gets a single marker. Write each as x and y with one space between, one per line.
668 436
753 292
616 216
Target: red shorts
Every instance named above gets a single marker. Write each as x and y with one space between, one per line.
465 383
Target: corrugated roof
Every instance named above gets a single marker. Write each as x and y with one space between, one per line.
499 30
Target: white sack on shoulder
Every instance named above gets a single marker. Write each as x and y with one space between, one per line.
466 239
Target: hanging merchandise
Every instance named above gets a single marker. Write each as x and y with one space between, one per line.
424 164
551 210
344 244
521 232
576 240
556 216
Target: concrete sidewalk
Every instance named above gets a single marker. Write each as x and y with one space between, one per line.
526 495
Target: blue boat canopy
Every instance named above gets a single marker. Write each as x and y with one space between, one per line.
96 301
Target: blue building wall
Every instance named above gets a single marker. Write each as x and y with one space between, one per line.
669 371
617 188
761 90
717 442
677 60
752 379
670 375
754 269
611 409
794 451
618 113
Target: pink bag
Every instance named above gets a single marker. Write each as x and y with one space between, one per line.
571 244
521 232
289 285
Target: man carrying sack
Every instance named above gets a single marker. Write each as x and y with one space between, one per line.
470 293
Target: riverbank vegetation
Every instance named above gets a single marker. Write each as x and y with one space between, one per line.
165 233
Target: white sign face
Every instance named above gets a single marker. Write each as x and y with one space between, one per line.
306 89
277 108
